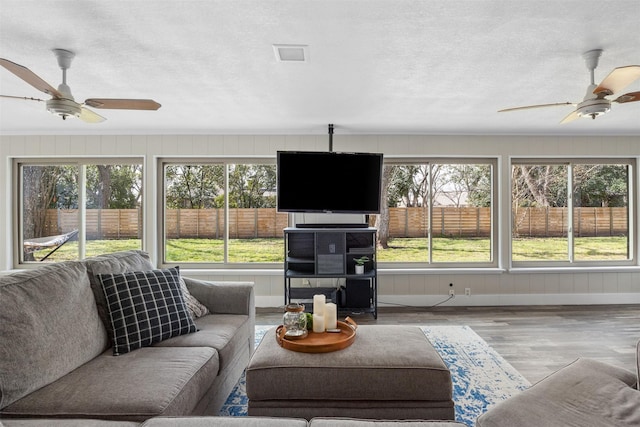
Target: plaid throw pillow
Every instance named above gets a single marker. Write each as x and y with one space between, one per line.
145 307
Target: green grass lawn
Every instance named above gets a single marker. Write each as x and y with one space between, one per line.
400 250
556 249
212 250
444 249
69 251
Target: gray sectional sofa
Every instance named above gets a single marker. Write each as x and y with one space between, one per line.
235 422
585 393
57 361
58 368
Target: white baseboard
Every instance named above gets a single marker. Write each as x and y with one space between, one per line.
509 299
485 300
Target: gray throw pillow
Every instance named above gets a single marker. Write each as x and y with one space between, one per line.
145 307
195 307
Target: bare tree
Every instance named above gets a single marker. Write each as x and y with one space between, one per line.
39 187
382 220
104 185
537 180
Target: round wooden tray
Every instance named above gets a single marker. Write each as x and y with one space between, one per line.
324 342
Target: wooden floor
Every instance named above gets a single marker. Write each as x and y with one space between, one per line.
536 340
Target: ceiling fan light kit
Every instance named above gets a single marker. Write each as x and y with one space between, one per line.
594 103
62 102
593 107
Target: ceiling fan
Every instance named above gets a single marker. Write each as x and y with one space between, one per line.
595 102
62 103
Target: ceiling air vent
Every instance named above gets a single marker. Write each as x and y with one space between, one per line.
291 52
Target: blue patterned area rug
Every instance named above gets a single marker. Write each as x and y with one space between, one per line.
481 377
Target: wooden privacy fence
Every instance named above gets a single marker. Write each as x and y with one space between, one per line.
403 222
587 222
101 223
247 223
180 223
447 221
527 222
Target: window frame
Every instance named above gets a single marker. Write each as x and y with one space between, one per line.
17 210
494 261
162 163
570 162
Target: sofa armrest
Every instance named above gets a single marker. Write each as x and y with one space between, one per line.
638 366
586 393
224 297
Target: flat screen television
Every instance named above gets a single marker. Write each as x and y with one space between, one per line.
329 182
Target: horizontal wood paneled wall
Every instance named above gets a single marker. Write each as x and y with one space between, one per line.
497 287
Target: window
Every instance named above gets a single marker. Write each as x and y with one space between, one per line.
73 210
574 211
221 213
438 212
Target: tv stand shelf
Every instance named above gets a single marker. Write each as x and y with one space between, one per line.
328 253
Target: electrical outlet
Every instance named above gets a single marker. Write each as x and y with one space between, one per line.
467 291
452 292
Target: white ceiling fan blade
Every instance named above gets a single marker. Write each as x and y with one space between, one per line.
570 117
528 107
618 79
89 116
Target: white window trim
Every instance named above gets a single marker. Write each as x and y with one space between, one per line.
81 162
571 264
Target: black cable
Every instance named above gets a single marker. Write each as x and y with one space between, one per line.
418 306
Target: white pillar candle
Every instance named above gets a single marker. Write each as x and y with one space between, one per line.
318 304
318 323
330 315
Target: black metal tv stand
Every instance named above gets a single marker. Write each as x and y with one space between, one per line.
329 254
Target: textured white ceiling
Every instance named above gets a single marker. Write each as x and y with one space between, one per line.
376 66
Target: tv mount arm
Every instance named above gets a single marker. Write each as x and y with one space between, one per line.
330 138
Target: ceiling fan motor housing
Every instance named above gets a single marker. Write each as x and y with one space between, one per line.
66 106
593 107
63 108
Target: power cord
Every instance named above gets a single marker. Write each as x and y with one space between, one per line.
449 298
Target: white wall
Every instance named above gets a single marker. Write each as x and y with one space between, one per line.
501 286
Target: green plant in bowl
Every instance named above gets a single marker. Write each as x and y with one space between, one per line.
309 321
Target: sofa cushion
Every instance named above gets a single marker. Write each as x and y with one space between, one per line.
117 262
49 317
145 307
586 393
353 422
148 382
225 422
224 332
49 422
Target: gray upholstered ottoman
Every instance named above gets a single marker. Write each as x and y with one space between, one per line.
389 372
